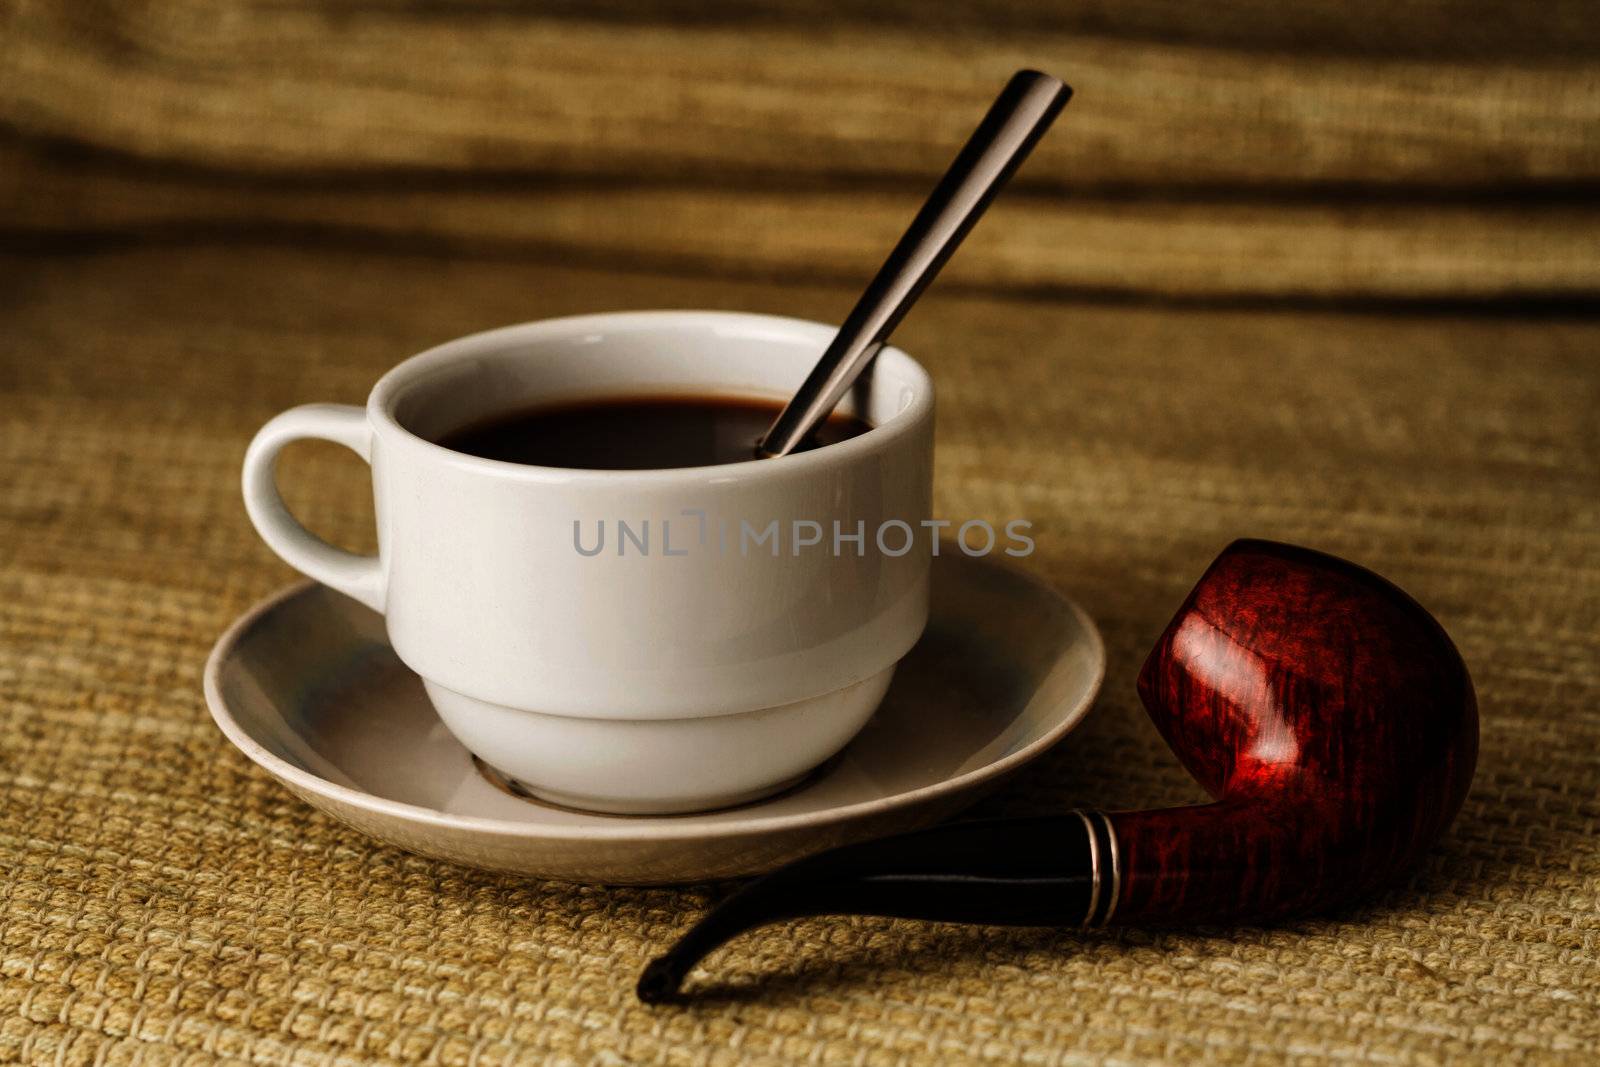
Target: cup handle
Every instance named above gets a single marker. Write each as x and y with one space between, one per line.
354 575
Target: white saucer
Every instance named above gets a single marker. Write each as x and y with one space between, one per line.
305 684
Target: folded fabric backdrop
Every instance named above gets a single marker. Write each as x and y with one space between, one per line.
1335 151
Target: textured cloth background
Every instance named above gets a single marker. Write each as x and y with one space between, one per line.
160 894
1322 272
1252 150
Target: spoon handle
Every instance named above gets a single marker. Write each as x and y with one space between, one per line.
1019 117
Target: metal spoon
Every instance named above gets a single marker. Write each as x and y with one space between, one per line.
1018 118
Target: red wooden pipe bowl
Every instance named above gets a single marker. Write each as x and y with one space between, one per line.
1328 714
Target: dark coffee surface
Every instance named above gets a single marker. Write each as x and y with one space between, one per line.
643 433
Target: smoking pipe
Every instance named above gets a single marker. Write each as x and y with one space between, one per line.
1326 712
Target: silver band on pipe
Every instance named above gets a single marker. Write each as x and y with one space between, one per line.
1094 866
1115 859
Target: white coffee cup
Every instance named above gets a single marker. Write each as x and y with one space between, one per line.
700 671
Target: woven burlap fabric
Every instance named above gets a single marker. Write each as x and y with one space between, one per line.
1437 149
161 899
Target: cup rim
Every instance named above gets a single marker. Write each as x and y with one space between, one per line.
880 437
